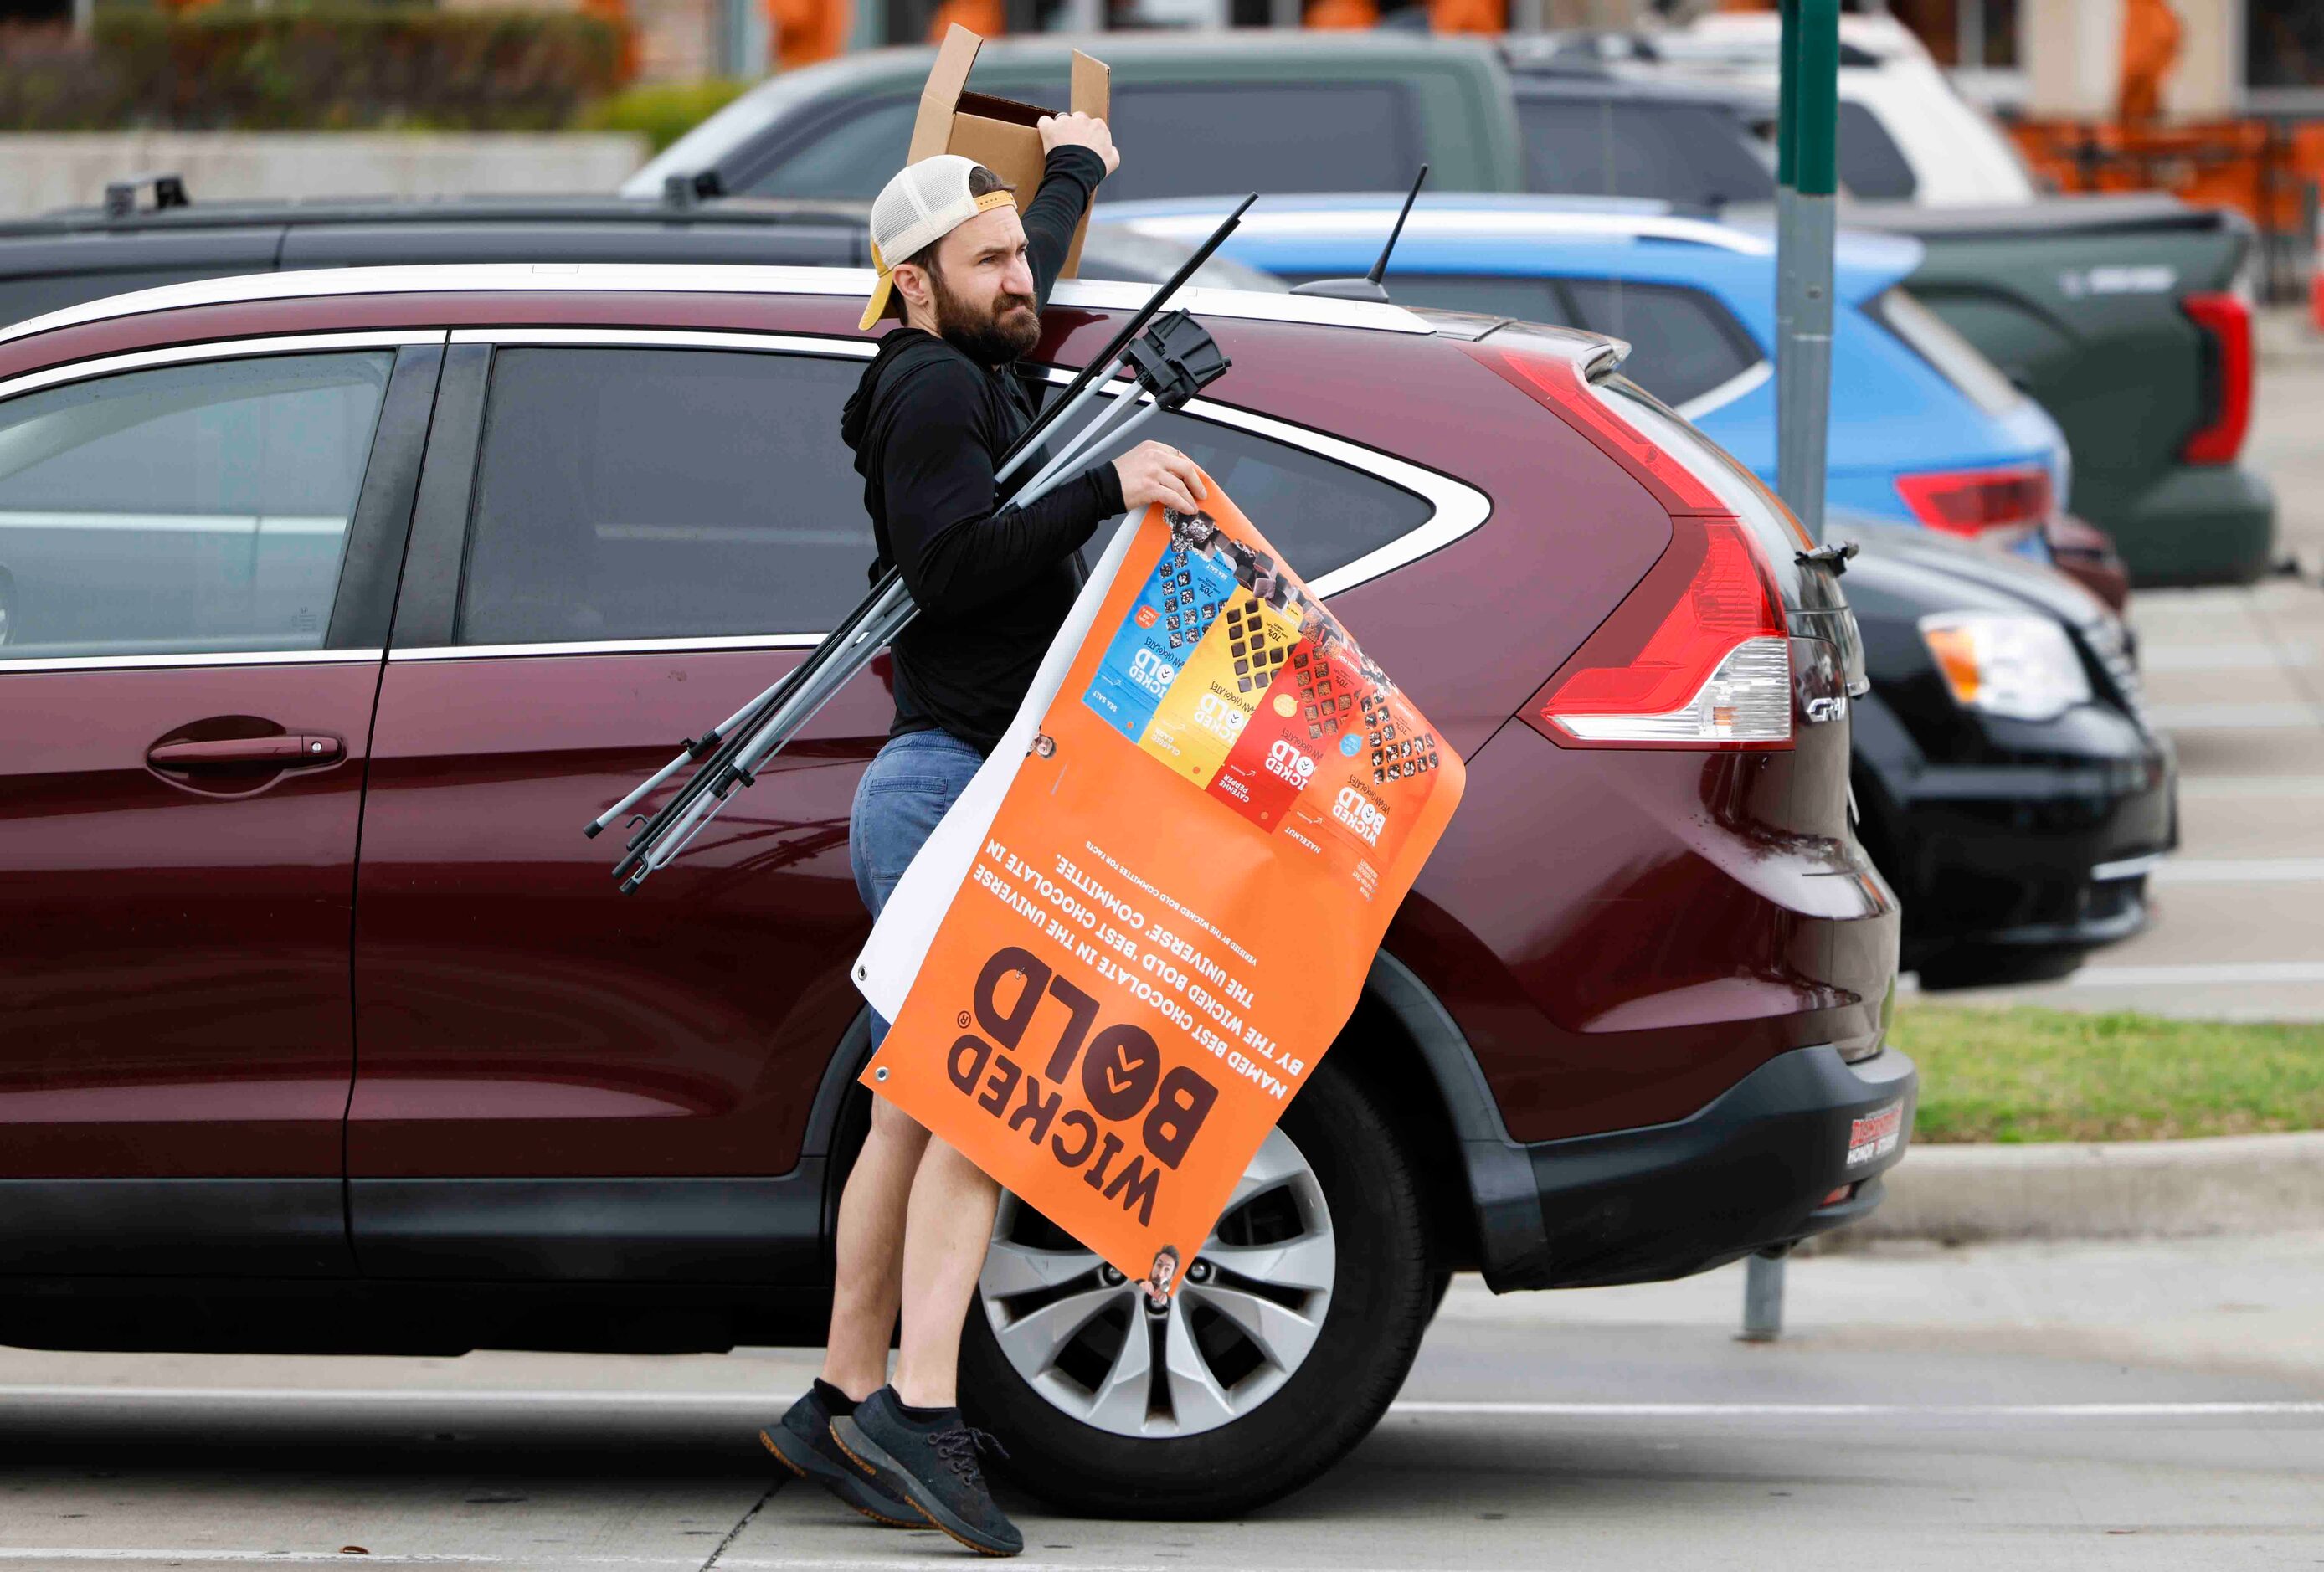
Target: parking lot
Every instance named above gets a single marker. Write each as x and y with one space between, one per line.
2236 677
2125 1406
346 576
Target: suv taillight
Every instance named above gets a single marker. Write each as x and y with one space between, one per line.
1977 502
2225 321
1696 656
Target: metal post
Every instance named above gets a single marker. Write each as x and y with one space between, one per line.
1763 1297
1807 114
1806 218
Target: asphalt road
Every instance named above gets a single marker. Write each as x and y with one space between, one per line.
2237 678
2124 1407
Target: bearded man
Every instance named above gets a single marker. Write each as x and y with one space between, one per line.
939 404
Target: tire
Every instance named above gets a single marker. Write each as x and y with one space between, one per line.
1288 1428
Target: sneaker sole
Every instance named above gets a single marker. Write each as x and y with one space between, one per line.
852 1491
867 1455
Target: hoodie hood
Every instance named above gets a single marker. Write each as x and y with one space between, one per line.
855 415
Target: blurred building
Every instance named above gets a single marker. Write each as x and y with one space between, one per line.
2065 58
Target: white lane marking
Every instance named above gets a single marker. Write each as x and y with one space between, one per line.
2249 787
2225 656
2237 871
2132 1411
2229 973
45 1555
757 1402
2209 717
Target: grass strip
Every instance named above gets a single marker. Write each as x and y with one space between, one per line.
2026 1074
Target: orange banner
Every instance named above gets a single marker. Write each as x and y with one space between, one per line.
1155 907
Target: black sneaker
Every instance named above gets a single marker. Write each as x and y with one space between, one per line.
933 1466
801 1439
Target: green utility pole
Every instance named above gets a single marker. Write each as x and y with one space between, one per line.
1807 113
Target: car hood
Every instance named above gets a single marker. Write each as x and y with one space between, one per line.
1901 569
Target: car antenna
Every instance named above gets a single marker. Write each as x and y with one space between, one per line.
1368 287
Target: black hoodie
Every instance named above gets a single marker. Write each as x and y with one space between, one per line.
992 581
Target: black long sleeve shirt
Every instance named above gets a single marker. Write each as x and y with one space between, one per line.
993 581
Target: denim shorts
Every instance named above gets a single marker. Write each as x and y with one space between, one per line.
912 783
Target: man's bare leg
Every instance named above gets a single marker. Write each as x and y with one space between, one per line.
945 1240
871 1249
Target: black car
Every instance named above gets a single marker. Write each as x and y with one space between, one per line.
2008 780
152 234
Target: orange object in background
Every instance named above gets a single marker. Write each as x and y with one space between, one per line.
985 18
617 13
1347 14
2150 48
2254 166
1467 15
800 33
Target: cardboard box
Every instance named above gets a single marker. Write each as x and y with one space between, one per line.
1000 134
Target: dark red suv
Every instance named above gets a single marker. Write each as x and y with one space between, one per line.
335 603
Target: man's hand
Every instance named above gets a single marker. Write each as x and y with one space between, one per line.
1078 130
1153 473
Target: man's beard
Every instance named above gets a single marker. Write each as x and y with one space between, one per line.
989 339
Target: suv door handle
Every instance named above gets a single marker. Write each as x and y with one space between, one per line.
284 752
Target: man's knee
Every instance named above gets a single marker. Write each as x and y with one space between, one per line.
891 1122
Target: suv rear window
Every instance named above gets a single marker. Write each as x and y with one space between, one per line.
1871 165
1951 357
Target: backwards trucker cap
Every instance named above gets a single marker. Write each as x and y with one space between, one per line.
923 204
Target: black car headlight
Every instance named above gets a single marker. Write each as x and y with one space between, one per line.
2024 667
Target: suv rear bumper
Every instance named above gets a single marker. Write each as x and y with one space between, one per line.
1749 1170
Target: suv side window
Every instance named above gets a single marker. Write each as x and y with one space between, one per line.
1682 342
193 508
1320 513
663 493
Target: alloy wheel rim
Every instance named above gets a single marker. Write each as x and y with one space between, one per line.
1244 1319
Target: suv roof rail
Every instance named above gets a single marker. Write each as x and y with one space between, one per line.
168 191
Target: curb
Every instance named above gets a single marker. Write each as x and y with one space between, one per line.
2112 1190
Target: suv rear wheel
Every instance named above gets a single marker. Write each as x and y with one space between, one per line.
1288 1337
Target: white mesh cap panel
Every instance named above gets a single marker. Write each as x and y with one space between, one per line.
923 203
